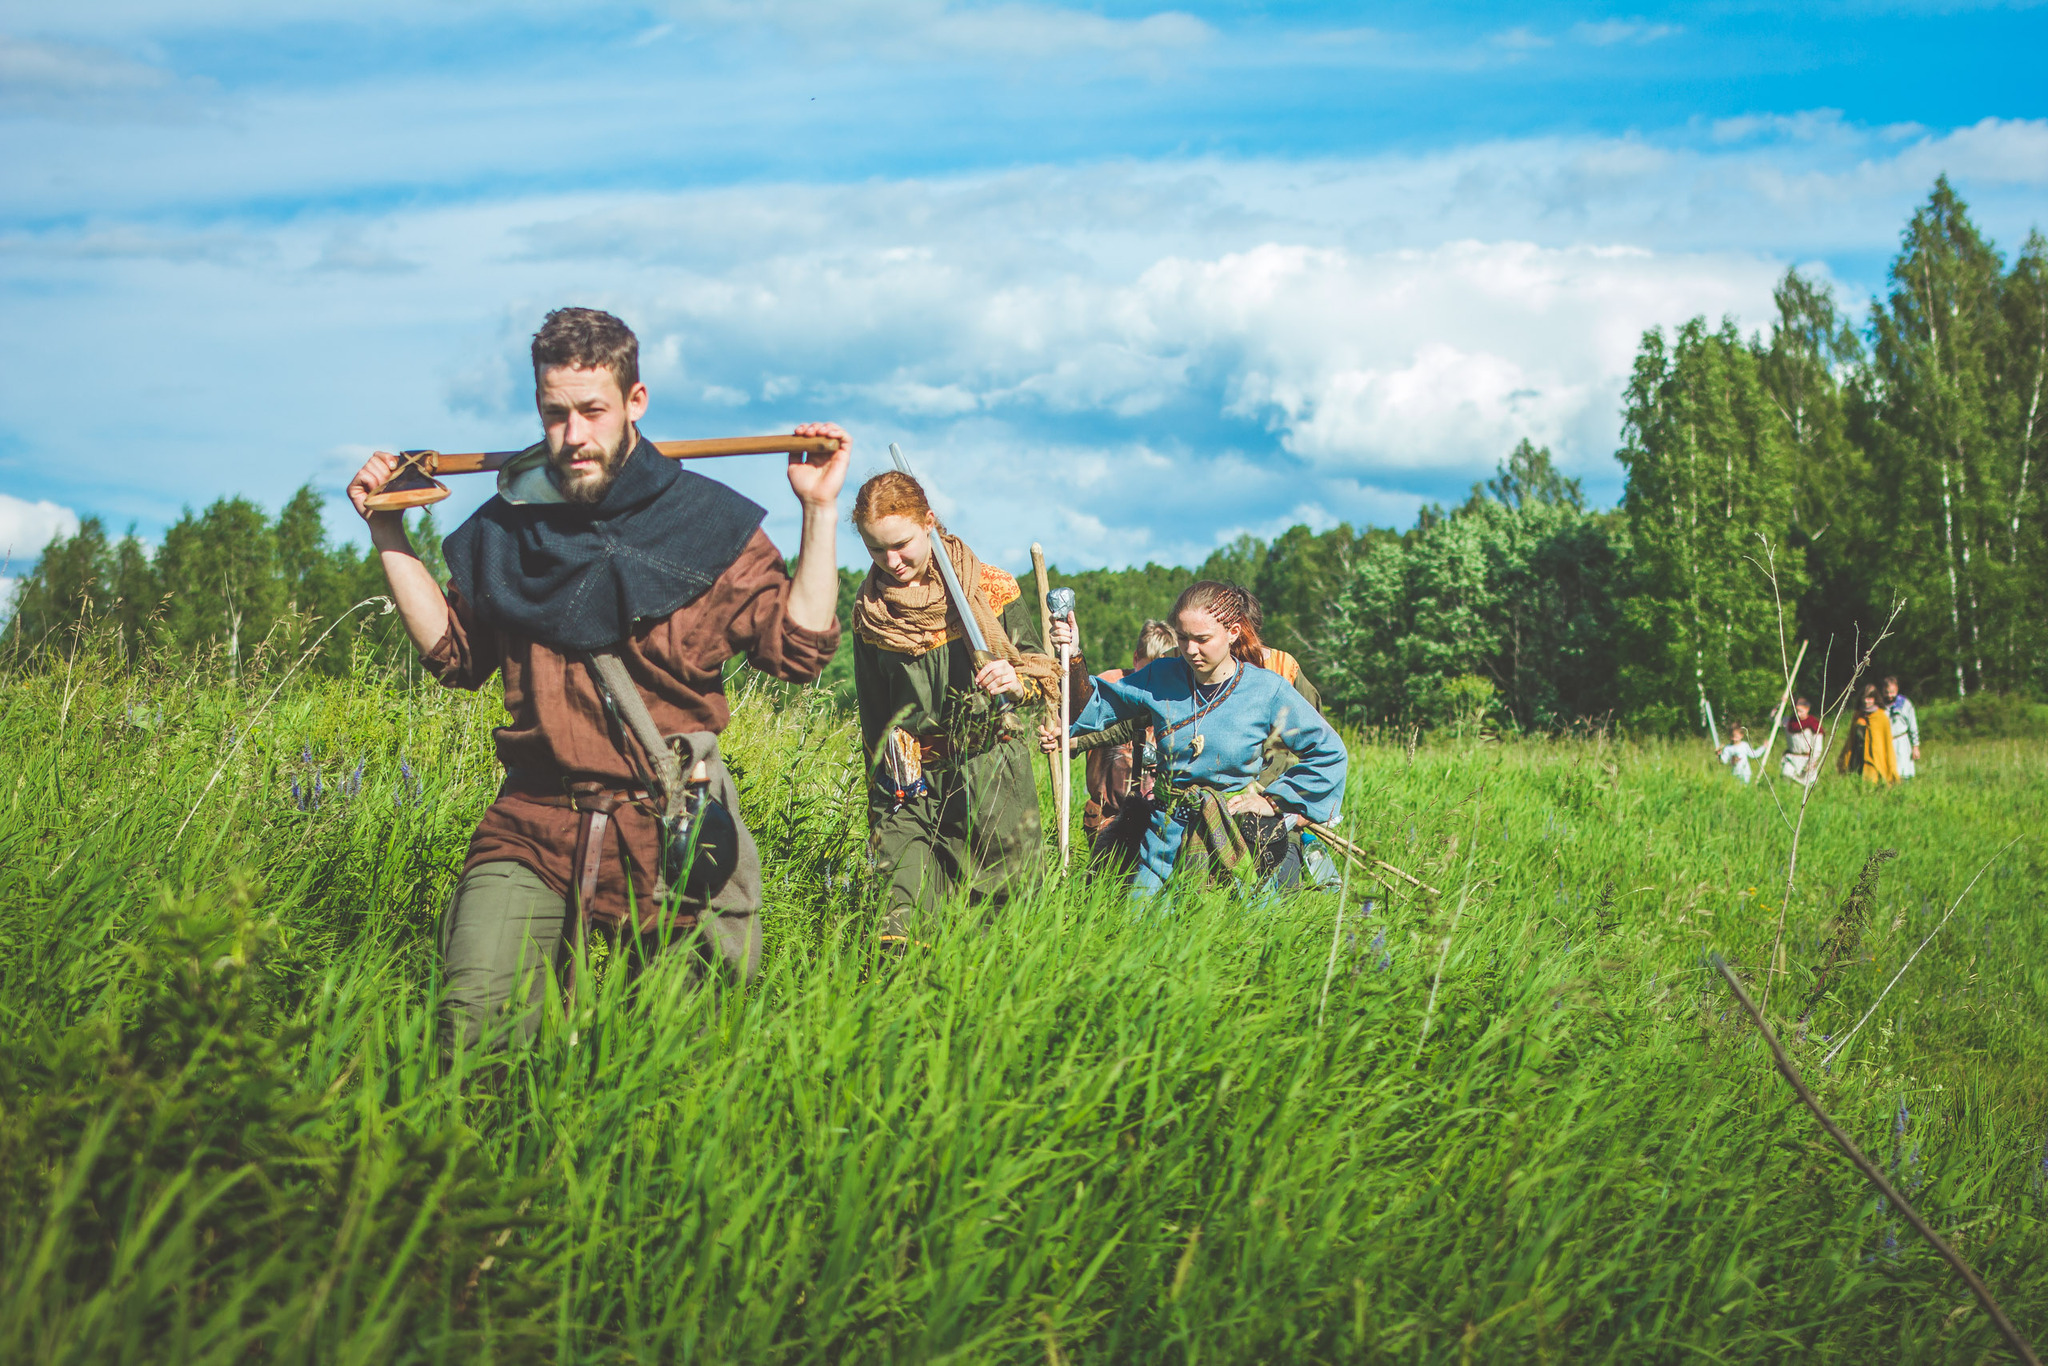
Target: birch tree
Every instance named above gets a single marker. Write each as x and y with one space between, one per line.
1938 343
1710 460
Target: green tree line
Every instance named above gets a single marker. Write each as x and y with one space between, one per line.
1829 474
230 582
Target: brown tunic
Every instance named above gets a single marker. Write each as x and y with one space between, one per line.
558 733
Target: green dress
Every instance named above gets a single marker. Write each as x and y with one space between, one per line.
976 826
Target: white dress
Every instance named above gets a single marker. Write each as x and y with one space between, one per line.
1739 754
1905 734
1802 756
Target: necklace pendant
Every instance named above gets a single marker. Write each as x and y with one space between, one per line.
1195 750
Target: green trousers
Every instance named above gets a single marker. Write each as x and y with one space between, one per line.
503 944
977 828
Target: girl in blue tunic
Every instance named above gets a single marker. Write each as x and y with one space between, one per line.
1212 709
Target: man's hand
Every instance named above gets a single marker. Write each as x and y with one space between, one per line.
815 594
1062 634
371 477
1916 754
999 677
1048 738
1251 803
420 604
817 480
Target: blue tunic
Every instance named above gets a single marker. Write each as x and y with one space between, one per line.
1231 728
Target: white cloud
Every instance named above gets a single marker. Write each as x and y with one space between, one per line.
1608 32
80 81
942 29
25 528
1122 360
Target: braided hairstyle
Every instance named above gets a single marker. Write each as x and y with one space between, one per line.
1233 607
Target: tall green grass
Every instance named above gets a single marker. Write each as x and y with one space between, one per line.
1073 1132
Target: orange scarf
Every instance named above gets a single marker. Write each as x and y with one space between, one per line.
915 618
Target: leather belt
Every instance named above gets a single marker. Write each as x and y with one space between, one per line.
595 801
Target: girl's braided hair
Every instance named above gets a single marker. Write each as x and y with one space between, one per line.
1234 608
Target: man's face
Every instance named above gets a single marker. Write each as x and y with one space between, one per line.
1800 710
589 426
1891 692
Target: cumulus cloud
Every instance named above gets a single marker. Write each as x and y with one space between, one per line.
1126 361
25 528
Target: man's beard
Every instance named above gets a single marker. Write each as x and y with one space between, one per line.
591 488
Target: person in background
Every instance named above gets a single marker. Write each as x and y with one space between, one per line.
1738 751
1119 782
1803 742
1218 716
951 801
1905 729
1277 659
1869 749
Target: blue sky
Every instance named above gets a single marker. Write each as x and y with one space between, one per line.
1125 279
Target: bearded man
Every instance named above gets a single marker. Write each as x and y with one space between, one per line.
608 586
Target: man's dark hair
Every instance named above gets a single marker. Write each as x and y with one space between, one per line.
588 339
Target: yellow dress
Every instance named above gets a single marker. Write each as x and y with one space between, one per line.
1870 741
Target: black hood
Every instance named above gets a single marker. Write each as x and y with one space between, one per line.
579 576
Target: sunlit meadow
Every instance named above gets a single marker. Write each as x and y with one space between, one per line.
1514 1121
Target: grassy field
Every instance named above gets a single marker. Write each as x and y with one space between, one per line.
1080 1133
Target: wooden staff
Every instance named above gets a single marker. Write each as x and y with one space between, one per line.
415 483
1052 761
1784 698
1060 604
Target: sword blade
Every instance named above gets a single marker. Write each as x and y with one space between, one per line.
976 641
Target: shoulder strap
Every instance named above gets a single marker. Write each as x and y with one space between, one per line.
622 695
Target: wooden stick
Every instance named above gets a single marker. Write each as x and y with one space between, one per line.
412 483
1324 832
1052 761
478 462
2021 1348
1066 777
1784 700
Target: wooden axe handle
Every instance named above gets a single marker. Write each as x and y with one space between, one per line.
416 481
477 462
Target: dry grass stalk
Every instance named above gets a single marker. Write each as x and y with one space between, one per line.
1916 953
2022 1349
